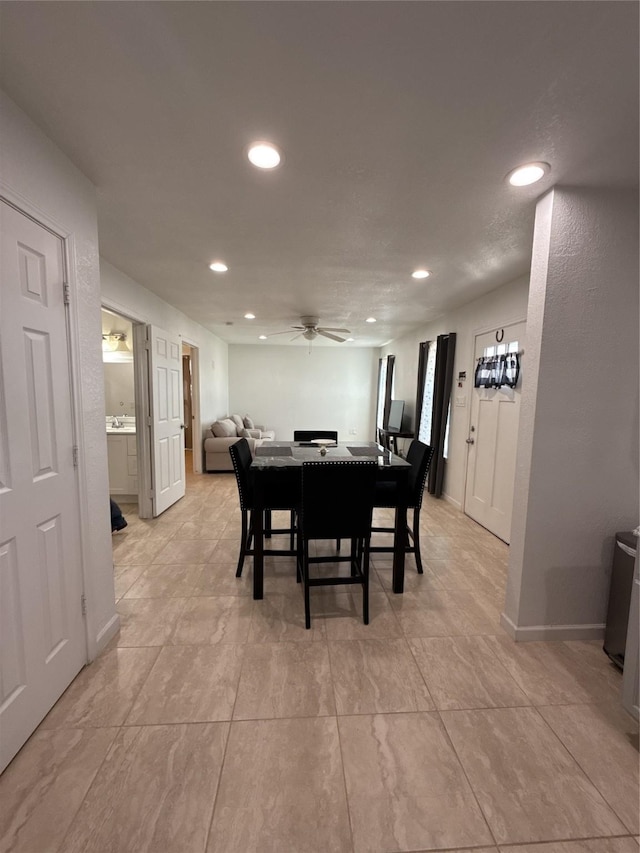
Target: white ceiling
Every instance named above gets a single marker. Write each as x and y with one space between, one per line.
398 122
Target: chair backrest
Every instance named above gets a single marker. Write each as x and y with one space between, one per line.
240 453
419 457
310 434
337 499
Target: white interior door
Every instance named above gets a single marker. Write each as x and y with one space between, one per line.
492 441
167 423
42 632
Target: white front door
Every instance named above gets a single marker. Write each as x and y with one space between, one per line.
167 423
42 632
493 438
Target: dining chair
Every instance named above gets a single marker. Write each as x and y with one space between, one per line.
241 458
336 503
387 494
311 434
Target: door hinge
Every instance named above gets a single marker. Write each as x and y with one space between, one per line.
66 293
75 455
83 604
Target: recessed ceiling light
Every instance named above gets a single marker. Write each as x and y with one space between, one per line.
218 266
264 155
420 274
350 339
371 320
528 174
249 316
262 337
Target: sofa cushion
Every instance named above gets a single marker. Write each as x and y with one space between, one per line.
248 423
238 422
225 428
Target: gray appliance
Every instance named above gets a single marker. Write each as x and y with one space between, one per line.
615 635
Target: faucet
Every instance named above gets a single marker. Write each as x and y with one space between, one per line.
115 423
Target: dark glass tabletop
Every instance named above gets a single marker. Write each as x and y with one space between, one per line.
291 454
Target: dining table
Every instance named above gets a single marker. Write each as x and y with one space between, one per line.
276 471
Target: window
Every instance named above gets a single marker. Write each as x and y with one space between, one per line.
426 409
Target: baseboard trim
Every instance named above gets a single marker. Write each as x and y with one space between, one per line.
452 501
531 633
108 632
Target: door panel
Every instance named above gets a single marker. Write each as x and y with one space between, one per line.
165 366
493 437
42 631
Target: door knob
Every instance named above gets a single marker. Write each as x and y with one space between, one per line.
470 441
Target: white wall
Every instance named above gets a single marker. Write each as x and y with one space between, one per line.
38 178
504 305
577 470
124 295
287 388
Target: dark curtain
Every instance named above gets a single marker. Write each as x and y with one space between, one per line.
378 437
391 360
445 352
423 352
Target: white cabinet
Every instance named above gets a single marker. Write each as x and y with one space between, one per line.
123 464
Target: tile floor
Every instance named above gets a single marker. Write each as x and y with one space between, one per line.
217 724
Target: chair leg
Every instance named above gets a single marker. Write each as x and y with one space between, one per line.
292 521
243 544
267 524
299 559
365 583
416 539
305 578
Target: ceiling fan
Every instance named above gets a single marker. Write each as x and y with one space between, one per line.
309 330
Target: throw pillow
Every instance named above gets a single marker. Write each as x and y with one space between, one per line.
238 422
248 422
224 428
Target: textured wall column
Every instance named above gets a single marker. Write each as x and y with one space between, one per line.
577 469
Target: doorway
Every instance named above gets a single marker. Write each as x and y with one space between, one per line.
187 402
191 408
121 415
493 437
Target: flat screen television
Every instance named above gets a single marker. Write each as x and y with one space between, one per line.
396 411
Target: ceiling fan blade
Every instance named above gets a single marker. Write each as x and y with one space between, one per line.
295 337
326 334
283 332
329 329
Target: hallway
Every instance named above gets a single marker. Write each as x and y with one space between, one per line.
217 723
